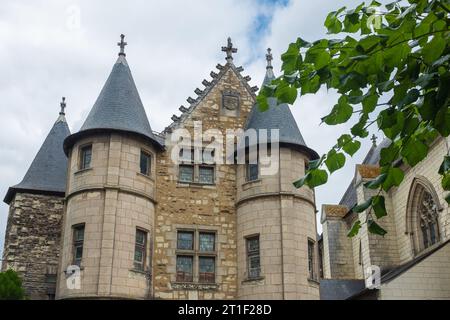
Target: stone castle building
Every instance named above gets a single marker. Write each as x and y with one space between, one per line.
106 212
413 257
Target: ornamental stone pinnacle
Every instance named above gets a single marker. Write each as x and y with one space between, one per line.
122 45
229 50
269 58
63 106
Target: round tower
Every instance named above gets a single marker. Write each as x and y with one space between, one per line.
276 224
108 221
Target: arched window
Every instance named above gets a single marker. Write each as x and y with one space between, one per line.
423 215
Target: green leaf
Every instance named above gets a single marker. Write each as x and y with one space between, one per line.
414 151
291 59
334 161
314 164
446 182
363 206
340 113
359 129
389 154
374 228
317 177
411 96
369 103
301 182
286 93
377 182
263 103
355 229
394 176
379 206
442 121
433 49
445 165
348 144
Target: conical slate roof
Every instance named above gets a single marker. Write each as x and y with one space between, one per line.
47 173
278 117
118 107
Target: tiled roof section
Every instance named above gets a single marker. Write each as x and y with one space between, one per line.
340 289
278 116
209 85
118 107
349 198
47 172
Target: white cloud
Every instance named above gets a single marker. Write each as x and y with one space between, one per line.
173 45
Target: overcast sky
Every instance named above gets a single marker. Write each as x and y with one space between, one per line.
67 48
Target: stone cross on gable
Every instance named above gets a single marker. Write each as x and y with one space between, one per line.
374 140
63 106
269 58
122 45
229 50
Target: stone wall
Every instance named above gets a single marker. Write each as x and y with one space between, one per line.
32 242
112 199
197 206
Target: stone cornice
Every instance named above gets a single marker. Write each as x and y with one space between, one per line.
110 187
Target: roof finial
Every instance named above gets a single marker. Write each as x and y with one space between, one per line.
122 45
374 140
229 50
63 106
269 58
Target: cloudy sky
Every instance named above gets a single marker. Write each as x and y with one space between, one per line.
67 48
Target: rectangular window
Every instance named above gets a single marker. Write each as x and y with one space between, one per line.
85 157
252 171
140 250
145 163
253 257
186 173
78 240
185 240
206 242
311 259
185 269
206 175
207 269
187 154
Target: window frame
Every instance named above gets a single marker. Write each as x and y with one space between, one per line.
207 166
142 247
183 165
77 243
248 177
82 159
196 167
251 254
311 259
149 156
196 255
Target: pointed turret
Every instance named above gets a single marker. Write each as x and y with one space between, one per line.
278 117
47 173
118 107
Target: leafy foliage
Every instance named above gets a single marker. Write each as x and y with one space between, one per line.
393 73
11 286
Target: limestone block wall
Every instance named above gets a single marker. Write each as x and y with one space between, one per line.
427 169
112 199
428 279
284 219
32 242
200 207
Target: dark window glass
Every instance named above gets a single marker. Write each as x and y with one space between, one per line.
186 173
206 175
253 258
78 240
145 163
140 250
86 156
207 269
185 268
185 240
206 241
252 172
311 259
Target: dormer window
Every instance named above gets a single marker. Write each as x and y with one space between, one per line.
85 157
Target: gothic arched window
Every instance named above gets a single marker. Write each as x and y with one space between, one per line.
423 215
